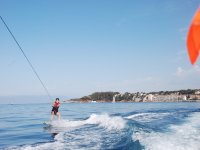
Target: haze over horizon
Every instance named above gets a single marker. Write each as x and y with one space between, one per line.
80 47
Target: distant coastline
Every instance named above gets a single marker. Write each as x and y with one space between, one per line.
189 95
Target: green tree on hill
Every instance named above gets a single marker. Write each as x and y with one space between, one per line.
103 95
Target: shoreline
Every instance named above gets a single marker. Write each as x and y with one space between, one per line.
126 101
189 95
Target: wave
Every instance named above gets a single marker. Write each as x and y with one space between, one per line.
103 131
147 117
103 120
75 137
185 136
107 121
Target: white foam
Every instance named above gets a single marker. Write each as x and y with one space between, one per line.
107 122
103 120
64 141
180 137
46 146
74 141
67 124
147 117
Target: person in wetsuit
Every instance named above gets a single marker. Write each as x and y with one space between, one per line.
54 111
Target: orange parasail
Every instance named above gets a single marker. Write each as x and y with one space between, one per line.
193 39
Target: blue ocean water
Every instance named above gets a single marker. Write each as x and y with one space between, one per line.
128 126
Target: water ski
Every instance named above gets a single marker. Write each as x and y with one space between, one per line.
47 123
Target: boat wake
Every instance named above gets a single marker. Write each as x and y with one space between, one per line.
91 133
103 120
178 130
184 136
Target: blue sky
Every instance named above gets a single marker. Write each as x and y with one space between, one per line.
79 47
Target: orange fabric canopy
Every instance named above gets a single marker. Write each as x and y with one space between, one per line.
193 39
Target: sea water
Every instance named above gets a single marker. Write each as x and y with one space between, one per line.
128 126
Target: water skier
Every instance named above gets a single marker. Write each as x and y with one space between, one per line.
54 111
